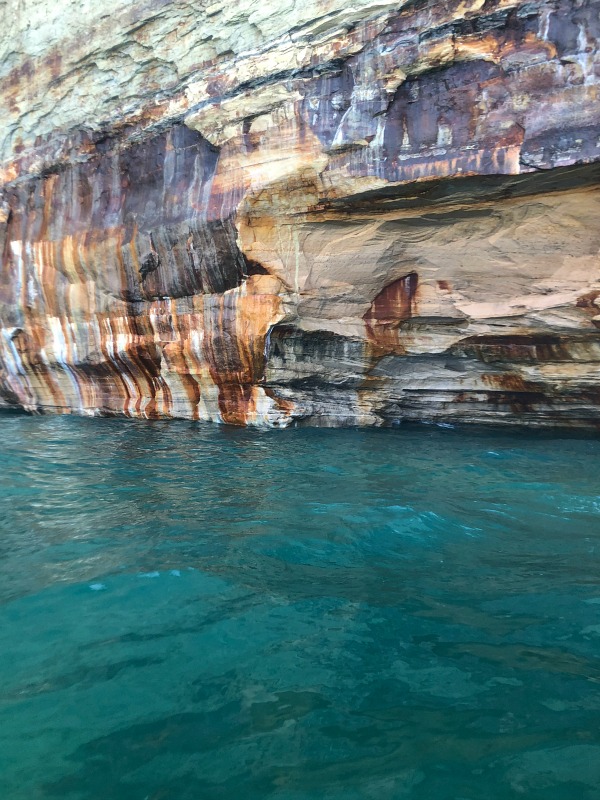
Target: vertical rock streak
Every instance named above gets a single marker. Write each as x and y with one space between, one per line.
129 298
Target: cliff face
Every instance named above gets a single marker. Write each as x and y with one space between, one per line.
278 212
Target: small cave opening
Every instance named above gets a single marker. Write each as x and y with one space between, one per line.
252 267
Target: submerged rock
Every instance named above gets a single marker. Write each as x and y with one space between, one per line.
302 212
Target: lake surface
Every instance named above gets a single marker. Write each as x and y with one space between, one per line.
194 613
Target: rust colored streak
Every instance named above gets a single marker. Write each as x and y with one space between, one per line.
180 359
227 363
511 382
392 306
235 329
589 301
42 376
120 357
235 402
119 390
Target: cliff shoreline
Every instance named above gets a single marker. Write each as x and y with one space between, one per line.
303 216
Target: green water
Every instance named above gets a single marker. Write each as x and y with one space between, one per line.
192 612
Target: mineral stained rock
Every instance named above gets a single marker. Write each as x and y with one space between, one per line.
302 212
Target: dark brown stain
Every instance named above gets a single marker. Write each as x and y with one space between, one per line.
395 304
588 301
528 348
518 402
392 306
510 381
150 263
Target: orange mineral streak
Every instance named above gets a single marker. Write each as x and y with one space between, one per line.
202 357
392 306
91 337
236 327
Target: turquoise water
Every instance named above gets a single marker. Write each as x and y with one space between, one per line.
192 612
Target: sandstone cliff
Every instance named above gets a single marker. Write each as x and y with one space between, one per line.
262 213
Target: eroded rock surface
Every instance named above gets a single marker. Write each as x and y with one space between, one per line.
282 212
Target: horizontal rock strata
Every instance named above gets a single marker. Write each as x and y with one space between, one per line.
307 215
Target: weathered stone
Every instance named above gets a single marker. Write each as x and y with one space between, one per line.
278 213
